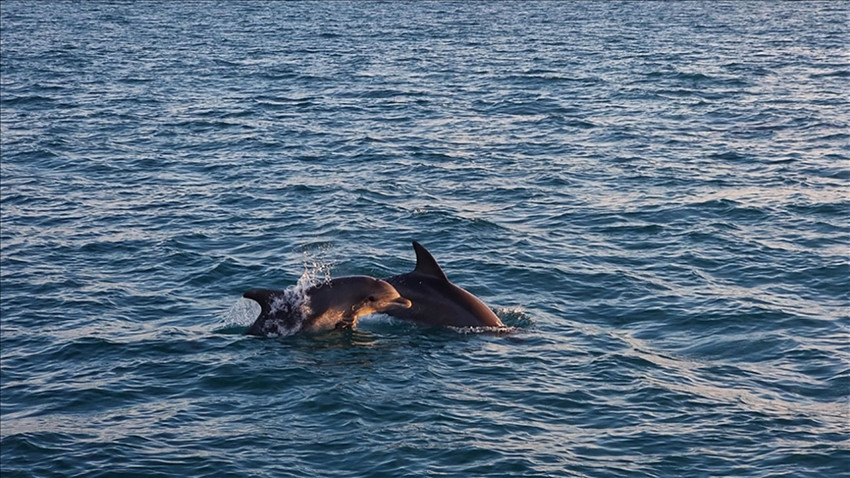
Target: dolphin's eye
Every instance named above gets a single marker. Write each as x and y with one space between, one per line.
371 298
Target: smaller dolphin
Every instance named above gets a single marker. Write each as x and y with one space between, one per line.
335 304
436 301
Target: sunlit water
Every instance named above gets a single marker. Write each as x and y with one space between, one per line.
653 195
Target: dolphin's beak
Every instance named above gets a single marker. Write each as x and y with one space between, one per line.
400 303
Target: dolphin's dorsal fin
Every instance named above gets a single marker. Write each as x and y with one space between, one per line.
426 264
263 297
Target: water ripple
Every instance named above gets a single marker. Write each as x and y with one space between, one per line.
652 196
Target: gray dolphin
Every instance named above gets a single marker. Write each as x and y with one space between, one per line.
335 304
436 301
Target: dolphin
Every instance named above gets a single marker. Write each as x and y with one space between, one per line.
335 304
436 301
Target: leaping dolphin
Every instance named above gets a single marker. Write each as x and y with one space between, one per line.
436 301
335 304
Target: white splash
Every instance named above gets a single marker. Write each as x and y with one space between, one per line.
295 302
241 314
317 267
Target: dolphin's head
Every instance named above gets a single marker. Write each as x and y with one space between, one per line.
340 302
383 297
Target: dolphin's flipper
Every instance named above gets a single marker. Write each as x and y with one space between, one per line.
426 264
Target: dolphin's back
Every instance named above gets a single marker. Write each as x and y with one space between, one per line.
435 300
440 303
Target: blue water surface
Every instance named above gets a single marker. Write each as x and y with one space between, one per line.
652 195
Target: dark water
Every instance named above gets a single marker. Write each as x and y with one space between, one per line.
655 195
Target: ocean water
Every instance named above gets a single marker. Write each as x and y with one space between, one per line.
653 196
